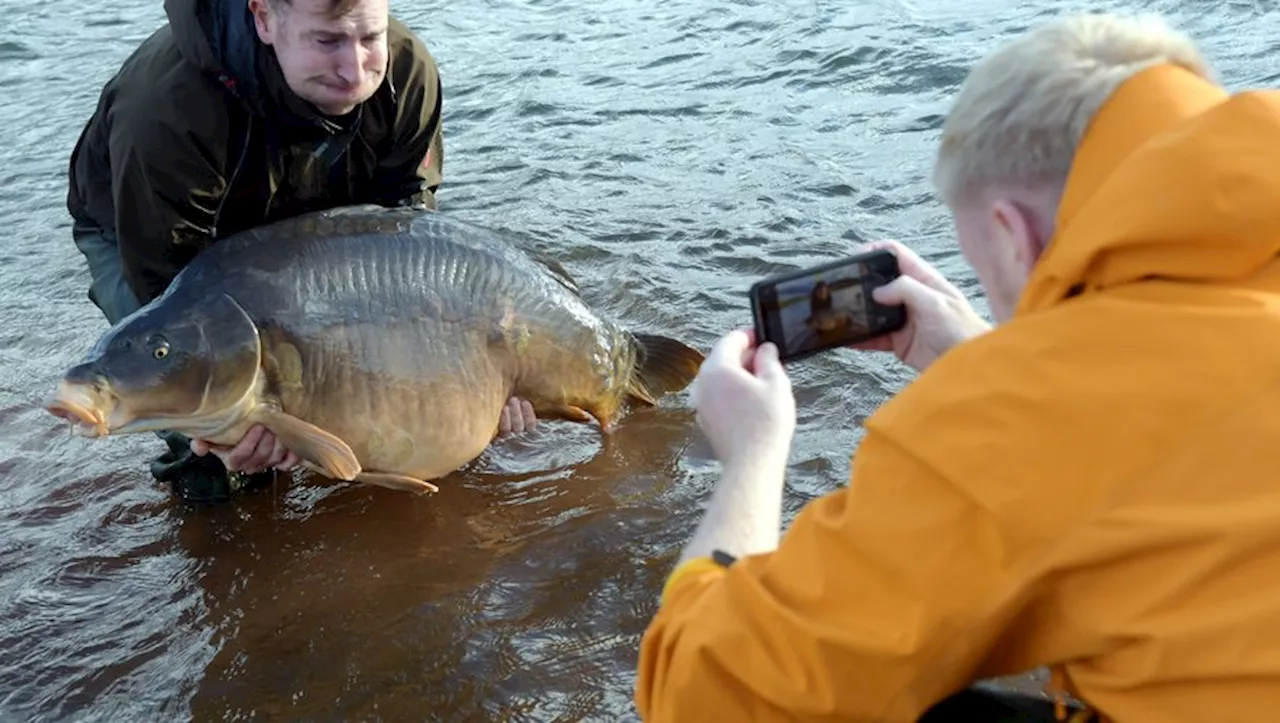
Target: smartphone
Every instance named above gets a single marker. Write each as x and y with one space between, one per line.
825 307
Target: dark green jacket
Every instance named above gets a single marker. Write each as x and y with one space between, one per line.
197 136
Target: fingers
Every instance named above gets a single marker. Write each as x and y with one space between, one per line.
733 352
200 447
749 353
767 365
736 346
252 451
911 264
504 420
290 461
517 417
278 453
257 450
262 451
530 420
904 290
243 450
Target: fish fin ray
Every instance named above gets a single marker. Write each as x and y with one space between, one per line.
563 411
663 366
396 482
330 455
553 267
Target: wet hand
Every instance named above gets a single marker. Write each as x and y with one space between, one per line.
257 451
938 314
517 417
744 402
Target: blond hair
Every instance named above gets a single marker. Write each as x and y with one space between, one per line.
1023 109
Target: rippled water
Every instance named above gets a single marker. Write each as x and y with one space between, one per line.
669 153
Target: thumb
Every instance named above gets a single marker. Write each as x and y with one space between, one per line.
766 365
732 346
903 290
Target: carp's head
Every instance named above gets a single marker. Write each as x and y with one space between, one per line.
168 366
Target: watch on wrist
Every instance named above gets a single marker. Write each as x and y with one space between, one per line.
722 558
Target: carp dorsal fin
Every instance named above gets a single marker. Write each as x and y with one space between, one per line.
557 270
663 365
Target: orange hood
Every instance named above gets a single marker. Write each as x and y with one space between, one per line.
1174 179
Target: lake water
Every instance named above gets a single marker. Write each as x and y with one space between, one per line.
669 153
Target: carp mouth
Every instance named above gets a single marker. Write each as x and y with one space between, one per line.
83 407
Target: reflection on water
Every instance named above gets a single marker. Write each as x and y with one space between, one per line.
737 140
448 603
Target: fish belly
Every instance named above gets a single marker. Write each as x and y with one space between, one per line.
407 399
406 345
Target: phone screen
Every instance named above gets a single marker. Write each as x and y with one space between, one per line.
826 307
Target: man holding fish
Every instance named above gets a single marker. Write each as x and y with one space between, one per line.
234 114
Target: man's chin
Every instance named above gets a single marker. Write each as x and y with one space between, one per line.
334 110
336 103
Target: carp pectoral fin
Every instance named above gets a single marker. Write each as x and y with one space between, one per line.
396 482
663 366
331 456
563 411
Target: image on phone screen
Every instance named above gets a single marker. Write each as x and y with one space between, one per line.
826 307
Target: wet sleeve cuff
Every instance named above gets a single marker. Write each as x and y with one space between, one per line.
695 568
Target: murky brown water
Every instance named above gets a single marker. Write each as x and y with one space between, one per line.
669 153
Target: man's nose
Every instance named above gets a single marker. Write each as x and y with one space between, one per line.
349 60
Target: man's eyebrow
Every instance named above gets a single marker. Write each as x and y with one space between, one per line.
339 34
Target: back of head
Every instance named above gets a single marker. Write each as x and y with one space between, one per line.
1021 113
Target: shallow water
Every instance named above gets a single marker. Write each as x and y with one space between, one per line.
668 153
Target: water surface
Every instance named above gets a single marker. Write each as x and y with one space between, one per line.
669 153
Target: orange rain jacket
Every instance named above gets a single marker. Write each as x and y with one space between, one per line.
1093 486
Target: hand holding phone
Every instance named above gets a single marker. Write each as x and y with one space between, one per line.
826 307
744 402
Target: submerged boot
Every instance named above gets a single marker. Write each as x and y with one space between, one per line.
195 479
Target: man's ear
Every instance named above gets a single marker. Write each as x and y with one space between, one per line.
263 21
1015 226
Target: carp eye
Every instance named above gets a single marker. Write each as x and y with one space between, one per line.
158 346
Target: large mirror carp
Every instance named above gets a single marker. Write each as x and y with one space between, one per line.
380 345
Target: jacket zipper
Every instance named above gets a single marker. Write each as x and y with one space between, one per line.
235 174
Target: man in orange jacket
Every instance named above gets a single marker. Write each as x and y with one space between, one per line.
1090 486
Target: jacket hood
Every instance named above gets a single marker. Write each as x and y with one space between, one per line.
218 37
1173 179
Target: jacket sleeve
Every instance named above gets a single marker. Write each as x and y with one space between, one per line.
166 183
411 171
877 603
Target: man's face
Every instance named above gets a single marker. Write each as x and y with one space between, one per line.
333 63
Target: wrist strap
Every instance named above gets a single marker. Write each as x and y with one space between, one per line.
722 558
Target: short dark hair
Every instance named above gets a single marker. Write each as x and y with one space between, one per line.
337 8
